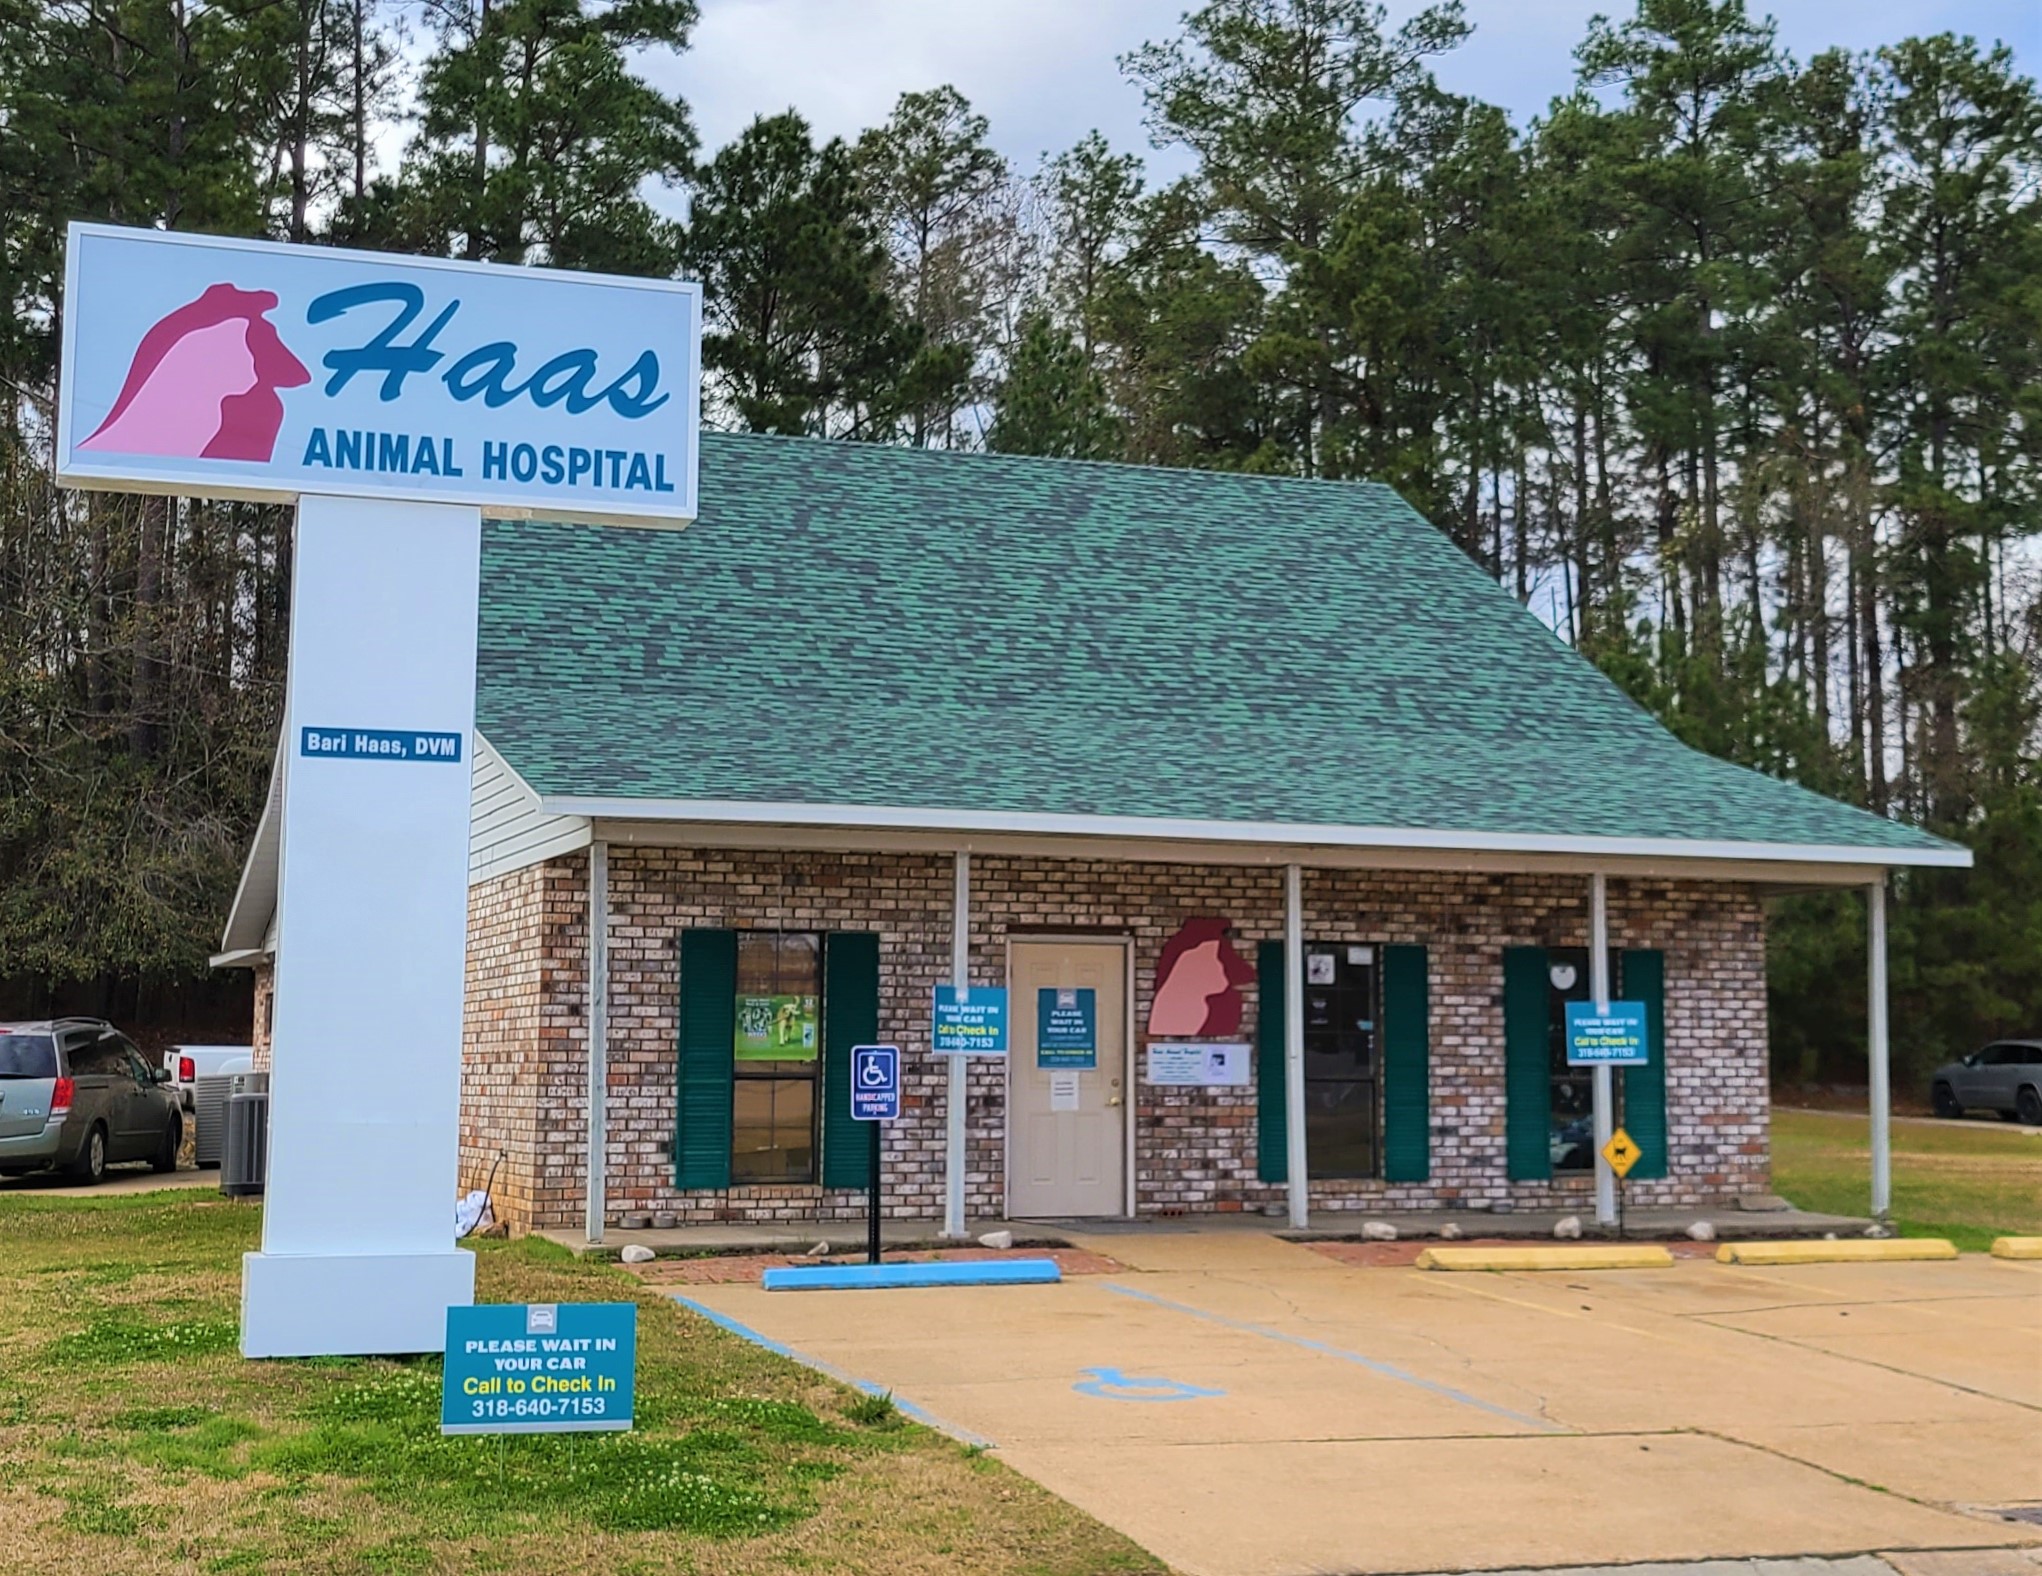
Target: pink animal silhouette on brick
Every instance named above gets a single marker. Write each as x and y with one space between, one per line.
1198 982
204 382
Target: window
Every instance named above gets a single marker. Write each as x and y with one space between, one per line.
1571 1136
776 1056
1342 1067
104 1056
27 1056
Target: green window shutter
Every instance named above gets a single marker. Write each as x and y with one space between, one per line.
1645 1087
1272 1132
703 1074
850 1016
1527 1070
1407 1066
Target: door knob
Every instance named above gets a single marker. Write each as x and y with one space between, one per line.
1113 1099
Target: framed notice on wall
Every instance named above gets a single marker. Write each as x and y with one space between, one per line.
1066 1028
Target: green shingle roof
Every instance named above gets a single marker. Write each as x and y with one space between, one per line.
863 626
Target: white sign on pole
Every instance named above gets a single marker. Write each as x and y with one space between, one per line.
397 400
249 369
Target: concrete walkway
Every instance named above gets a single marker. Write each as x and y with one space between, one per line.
119 1179
1951 1562
848 1236
1247 1406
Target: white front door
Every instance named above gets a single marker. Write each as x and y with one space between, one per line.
1066 1120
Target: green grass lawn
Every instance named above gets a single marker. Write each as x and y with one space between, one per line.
134 1438
1969 1183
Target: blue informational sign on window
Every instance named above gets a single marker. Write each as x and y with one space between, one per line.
970 1020
1615 1038
1066 1028
539 1368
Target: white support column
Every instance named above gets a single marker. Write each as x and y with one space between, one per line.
358 1253
598 1034
1605 1077
1294 1047
1877 1052
960 1066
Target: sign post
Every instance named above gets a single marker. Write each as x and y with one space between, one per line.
875 1100
396 401
1622 1153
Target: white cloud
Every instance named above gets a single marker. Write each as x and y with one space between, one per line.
1044 72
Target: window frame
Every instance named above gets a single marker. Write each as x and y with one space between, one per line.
1374 1075
1557 1070
776 1073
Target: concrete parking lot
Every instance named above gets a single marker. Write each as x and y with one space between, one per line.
1242 1405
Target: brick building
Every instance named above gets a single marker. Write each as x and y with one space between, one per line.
1135 726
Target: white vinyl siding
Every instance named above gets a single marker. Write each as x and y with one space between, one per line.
506 828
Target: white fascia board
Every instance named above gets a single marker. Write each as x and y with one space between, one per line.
244 958
1030 823
255 895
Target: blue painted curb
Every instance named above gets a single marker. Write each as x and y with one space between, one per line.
873 1277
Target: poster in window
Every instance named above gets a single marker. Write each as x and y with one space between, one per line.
777 1029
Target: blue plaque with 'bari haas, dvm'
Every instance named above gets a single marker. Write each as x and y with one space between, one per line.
539 1368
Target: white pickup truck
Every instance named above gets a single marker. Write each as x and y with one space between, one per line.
189 1063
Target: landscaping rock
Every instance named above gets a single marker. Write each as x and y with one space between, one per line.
999 1241
636 1253
1762 1203
819 1251
1877 1230
1378 1231
1449 1232
1702 1231
1567 1228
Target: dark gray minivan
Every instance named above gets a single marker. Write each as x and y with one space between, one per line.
75 1094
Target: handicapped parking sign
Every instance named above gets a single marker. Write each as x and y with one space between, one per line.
875 1083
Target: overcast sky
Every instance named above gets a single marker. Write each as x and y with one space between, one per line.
1044 72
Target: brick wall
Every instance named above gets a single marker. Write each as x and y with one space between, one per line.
265 999
525 1053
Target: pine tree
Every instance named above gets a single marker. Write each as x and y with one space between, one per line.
1051 401
800 336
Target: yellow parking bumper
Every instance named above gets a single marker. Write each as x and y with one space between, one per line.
1856 1250
1567 1256
2017 1247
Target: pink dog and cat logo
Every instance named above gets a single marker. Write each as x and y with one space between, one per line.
204 383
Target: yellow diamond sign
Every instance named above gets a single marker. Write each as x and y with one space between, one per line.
1621 1152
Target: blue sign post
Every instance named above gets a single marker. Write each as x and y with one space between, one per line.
539 1368
970 1020
875 1098
1615 1038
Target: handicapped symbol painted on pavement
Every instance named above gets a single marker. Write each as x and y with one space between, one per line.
1110 1384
